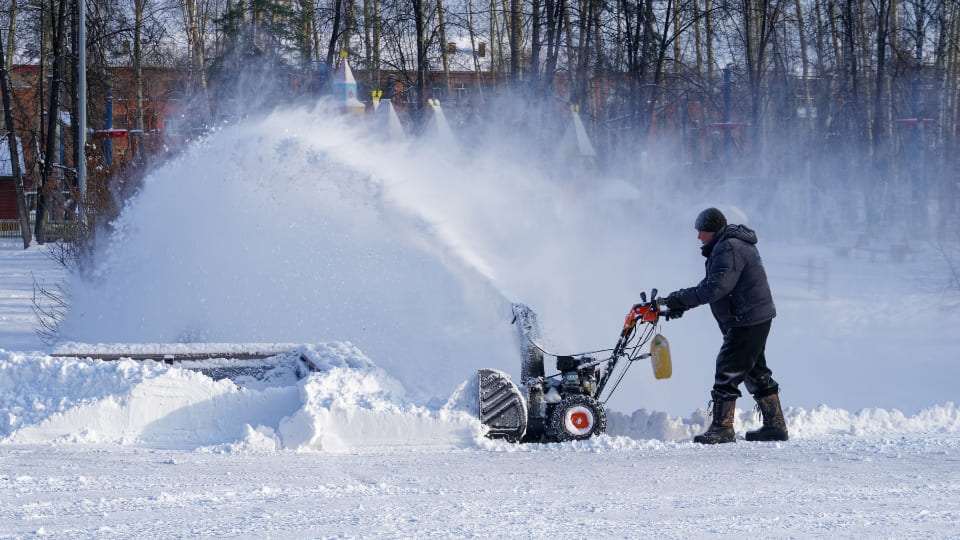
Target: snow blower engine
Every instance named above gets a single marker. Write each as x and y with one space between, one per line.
568 405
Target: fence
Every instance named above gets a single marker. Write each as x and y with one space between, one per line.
56 230
814 273
818 277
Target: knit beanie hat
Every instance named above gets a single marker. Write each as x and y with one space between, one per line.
710 220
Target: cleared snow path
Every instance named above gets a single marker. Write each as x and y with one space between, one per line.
608 488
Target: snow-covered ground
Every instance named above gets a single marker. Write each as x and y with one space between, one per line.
835 487
397 286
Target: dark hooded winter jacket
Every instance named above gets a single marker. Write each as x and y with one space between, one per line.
736 284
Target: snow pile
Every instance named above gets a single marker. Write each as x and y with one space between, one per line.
801 423
823 420
655 425
347 405
353 404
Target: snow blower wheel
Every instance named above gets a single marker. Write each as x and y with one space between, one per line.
577 418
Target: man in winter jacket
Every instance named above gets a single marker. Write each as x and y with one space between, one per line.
736 288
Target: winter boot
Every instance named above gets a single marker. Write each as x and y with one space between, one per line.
774 427
721 430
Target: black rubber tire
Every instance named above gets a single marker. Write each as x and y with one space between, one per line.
577 418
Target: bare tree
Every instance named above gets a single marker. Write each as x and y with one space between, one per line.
11 137
48 180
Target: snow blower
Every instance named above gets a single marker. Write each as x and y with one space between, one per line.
568 405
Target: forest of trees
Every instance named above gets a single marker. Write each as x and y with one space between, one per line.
854 100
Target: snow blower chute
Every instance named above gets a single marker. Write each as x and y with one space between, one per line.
567 405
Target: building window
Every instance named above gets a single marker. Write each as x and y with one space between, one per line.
173 125
461 91
410 95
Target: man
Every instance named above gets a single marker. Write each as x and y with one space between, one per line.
736 288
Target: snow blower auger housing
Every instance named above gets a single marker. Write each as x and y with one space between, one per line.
568 405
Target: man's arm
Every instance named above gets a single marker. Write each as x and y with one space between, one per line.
722 276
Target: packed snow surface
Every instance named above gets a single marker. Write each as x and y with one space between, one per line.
124 448
375 280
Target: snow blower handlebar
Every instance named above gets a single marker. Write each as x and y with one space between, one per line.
644 312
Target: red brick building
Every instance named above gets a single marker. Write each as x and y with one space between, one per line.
163 99
8 201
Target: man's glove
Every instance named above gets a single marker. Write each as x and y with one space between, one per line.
673 302
674 313
674 306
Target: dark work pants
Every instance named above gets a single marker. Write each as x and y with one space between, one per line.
741 360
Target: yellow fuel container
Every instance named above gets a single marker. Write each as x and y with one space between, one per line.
660 357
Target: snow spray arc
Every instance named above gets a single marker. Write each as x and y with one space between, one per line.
326 232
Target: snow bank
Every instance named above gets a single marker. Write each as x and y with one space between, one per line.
348 404
825 420
801 423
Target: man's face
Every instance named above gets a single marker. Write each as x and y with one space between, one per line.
704 237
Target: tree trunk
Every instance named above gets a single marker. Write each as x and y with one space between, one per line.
197 81
22 213
443 50
553 45
348 25
805 64
883 17
334 36
315 35
708 27
79 154
677 25
535 45
473 47
368 23
422 66
137 139
919 180
581 75
646 52
496 40
376 44
824 119
865 69
853 79
515 42
11 36
568 29
879 141
895 26
832 19
948 197
599 50
698 39
48 183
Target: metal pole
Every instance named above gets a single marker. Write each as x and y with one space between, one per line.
108 147
82 105
727 113
919 188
